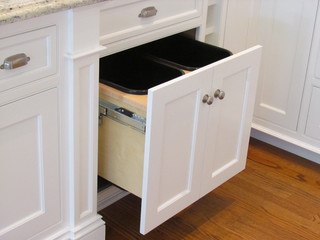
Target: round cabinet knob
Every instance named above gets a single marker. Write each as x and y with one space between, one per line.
219 94
205 98
210 101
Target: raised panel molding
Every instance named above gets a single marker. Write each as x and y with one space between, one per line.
21 173
29 166
284 28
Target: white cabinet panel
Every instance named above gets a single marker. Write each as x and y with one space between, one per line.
284 28
40 46
191 146
29 166
126 21
176 120
229 124
313 121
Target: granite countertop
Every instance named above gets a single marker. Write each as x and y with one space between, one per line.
18 10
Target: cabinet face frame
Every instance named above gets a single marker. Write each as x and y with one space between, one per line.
162 194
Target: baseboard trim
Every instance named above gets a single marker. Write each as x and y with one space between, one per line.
291 145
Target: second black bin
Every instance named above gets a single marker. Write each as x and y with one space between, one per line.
184 53
136 70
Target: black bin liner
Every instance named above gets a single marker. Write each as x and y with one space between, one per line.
184 53
130 72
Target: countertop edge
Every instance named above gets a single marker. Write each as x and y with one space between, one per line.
38 9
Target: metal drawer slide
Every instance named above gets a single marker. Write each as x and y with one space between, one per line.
121 115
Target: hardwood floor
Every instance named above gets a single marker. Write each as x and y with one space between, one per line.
277 197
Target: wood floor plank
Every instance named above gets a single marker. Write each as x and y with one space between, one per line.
277 197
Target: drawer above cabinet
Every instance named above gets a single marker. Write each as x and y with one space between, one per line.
27 57
144 16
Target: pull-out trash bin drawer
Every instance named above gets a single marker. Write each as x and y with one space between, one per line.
197 124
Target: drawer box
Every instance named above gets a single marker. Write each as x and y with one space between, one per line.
197 131
126 21
40 46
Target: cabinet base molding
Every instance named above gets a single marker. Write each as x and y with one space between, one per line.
91 229
286 143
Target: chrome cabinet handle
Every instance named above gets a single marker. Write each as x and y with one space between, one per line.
148 12
15 61
219 94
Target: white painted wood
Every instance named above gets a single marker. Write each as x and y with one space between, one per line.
228 131
80 93
149 36
215 20
29 166
284 28
313 121
176 120
40 45
298 146
122 22
192 147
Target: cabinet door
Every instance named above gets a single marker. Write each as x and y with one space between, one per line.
176 121
284 28
230 118
29 166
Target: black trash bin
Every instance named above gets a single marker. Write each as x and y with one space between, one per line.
130 72
184 53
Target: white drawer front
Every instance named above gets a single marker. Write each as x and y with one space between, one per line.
123 22
39 46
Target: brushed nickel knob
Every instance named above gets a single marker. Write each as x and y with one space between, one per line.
205 98
210 100
219 94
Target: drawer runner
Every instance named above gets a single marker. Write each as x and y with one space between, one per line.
121 115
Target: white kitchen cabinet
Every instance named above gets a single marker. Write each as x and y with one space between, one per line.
29 166
47 100
192 145
285 30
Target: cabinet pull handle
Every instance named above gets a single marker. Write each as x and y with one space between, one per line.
148 12
219 94
15 61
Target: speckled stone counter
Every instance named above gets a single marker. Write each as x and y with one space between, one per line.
18 10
